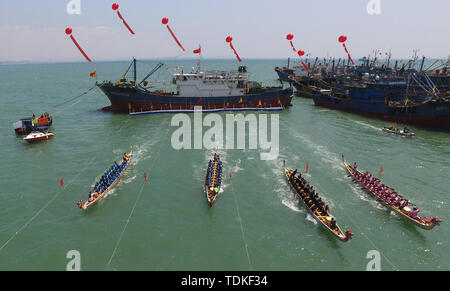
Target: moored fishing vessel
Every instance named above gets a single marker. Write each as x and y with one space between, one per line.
390 198
108 181
213 179
27 125
212 90
314 204
432 112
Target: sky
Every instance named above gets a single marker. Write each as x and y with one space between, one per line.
34 30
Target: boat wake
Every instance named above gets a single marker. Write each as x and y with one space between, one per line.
365 125
364 196
310 218
126 181
326 156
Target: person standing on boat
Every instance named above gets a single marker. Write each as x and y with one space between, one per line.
333 223
414 212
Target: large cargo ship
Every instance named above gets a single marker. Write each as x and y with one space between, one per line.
212 90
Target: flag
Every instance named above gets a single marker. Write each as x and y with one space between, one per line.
93 74
145 177
381 169
307 167
231 175
61 182
198 51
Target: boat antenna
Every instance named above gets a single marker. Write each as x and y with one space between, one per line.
135 72
199 58
421 65
389 57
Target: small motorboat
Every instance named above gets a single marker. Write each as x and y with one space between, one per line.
398 131
38 136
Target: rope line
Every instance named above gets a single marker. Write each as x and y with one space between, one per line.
242 228
45 206
125 227
373 244
132 210
54 198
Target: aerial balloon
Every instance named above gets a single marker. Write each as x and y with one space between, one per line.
342 39
69 32
229 39
165 21
289 37
300 53
115 6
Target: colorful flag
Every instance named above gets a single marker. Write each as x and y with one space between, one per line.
93 74
61 182
198 51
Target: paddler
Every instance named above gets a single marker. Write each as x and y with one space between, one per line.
405 129
414 212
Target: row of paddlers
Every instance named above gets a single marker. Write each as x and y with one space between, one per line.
305 192
384 194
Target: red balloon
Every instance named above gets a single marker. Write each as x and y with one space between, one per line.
342 38
115 6
229 39
165 20
68 30
301 53
290 36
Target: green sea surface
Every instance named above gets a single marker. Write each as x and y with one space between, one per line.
166 224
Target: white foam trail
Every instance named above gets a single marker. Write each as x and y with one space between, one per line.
366 125
291 205
128 180
363 196
310 218
326 156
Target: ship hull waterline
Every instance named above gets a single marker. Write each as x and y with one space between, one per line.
135 101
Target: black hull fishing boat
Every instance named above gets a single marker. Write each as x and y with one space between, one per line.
401 206
315 205
213 179
212 90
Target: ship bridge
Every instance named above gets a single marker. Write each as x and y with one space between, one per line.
211 83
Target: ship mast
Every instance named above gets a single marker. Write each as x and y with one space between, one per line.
134 69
